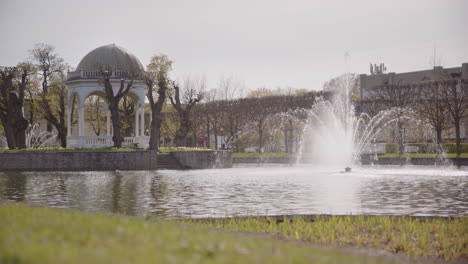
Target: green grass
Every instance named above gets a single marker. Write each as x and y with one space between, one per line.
392 155
423 155
41 235
69 149
440 238
266 154
173 149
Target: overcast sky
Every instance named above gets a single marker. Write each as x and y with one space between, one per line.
264 43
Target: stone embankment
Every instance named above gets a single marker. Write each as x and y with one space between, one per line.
78 160
204 159
112 160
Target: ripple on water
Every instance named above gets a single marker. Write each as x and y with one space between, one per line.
247 191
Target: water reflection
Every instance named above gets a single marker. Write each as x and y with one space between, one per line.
245 191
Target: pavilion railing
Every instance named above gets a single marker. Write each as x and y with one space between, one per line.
105 141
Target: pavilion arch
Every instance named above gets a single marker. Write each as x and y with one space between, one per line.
87 81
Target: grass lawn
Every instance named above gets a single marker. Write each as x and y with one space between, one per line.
423 155
42 235
410 155
266 154
69 149
440 238
172 149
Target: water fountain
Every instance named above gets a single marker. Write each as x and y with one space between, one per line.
335 136
3 142
39 139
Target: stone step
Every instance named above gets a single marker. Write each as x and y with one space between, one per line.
167 161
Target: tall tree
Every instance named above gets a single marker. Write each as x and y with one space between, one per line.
400 99
261 103
95 113
49 65
114 99
12 102
432 108
157 73
52 104
184 98
455 94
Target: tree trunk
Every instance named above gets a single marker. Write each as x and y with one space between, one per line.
215 130
457 136
181 137
62 135
401 148
286 143
116 126
10 135
17 121
155 130
291 136
260 136
208 133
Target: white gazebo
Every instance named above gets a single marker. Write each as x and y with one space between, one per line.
86 81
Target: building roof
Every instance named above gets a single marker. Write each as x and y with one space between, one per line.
111 57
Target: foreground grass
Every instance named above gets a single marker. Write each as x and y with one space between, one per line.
441 238
41 235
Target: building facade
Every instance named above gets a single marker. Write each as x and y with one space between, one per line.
369 82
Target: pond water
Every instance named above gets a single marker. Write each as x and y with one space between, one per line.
271 190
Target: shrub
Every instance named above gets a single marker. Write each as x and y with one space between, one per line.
392 148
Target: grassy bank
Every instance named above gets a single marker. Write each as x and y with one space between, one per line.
266 154
68 149
423 155
173 149
391 155
41 235
440 238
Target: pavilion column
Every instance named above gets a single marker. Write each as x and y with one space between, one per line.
81 121
142 121
108 123
136 122
69 121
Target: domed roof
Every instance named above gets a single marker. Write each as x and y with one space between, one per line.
110 56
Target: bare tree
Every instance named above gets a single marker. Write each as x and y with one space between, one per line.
184 98
127 113
157 73
432 108
454 93
95 114
398 98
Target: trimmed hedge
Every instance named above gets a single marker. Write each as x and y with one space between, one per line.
428 147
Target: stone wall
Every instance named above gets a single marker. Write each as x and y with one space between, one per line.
206 159
78 160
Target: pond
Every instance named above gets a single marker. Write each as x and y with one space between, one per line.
272 190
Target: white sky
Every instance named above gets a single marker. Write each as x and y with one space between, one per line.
268 43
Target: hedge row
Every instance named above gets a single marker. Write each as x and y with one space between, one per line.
428 147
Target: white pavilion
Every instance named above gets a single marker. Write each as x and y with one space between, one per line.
86 81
